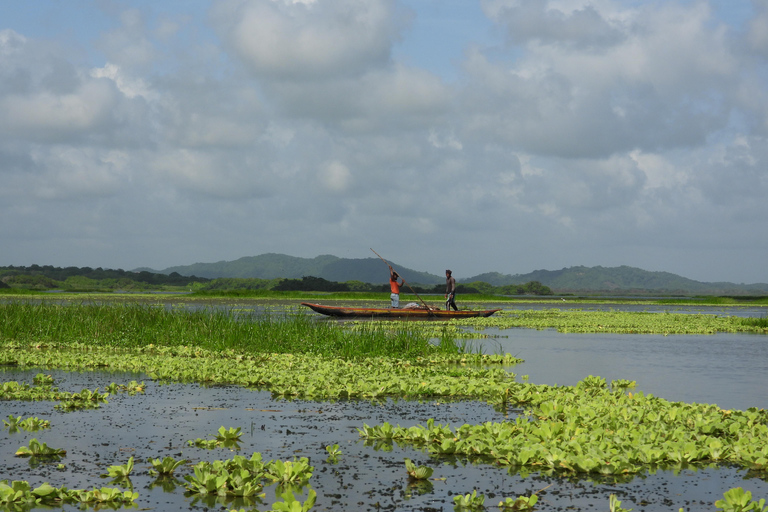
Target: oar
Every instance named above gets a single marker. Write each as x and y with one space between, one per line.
429 310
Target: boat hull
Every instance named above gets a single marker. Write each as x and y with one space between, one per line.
341 311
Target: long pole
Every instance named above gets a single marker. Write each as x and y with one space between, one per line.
429 310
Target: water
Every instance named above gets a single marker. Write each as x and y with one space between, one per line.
725 369
160 422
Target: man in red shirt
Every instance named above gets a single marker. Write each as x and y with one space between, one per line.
394 287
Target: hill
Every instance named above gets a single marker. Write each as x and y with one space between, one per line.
580 279
332 268
621 279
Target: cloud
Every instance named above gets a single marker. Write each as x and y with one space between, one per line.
542 22
666 82
335 177
572 132
309 40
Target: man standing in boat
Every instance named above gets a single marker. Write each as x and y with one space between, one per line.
394 287
450 291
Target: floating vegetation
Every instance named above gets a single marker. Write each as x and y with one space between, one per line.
243 478
471 501
120 471
131 388
38 449
577 320
523 503
14 423
19 495
85 399
304 376
165 466
417 472
227 438
592 430
739 500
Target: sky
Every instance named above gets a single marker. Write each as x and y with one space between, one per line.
481 136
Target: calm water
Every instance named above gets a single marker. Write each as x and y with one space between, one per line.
726 369
367 477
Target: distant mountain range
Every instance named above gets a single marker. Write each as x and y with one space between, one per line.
613 280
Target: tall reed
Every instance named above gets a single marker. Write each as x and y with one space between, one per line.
136 325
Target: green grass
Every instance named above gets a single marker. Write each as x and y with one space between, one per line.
19 291
756 322
641 322
138 325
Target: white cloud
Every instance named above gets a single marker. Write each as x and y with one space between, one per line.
335 177
130 87
47 115
297 40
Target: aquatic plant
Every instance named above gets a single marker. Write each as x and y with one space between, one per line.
21 391
739 500
231 434
470 501
614 505
289 472
417 472
592 430
14 423
206 481
228 438
291 504
519 503
577 320
760 323
43 380
120 471
19 495
85 399
139 325
238 477
38 449
105 495
165 466
131 388
333 453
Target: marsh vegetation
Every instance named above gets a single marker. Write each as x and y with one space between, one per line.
607 433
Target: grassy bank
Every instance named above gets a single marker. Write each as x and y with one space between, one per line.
139 325
622 322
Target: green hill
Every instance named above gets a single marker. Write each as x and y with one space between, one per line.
332 268
580 279
618 279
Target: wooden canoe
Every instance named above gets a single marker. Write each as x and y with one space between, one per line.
395 312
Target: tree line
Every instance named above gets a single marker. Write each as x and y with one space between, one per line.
46 277
318 284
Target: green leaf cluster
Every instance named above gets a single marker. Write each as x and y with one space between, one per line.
120 471
739 500
14 423
417 472
19 495
521 503
38 449
592 430
470 501
624 322
165 466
